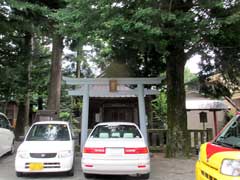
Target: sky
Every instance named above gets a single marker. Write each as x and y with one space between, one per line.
192 64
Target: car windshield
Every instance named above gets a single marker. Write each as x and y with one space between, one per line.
230 137
48 132
115 131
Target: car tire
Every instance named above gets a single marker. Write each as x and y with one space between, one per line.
12 148
88 176
71 172
145 176
19 174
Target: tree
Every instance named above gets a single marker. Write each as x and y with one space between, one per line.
22 53
142 36
151 35
160 108
41 14
220 51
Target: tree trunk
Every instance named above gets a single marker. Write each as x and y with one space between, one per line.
29 50
40 103
5 106
19 131
78 69
178 140
79 60
56 74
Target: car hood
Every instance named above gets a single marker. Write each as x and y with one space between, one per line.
213 155
45 146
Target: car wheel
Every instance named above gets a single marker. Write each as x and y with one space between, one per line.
19 174
145 176
88 176
12 148
71 172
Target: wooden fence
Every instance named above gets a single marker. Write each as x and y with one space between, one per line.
157 138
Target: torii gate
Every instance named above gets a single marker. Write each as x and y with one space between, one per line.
113 91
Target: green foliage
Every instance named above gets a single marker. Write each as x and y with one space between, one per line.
160 108
64 116
148 37
188 76
16 53
223 48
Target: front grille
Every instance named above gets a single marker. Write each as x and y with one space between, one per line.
43 155
46 165
206 175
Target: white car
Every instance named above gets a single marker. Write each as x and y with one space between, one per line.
6 136
116 148
47 147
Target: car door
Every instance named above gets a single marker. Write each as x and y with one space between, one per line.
6 135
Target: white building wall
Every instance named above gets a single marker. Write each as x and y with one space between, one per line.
194 120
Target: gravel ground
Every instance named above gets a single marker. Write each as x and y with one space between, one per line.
172 169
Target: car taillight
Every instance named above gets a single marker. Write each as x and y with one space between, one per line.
94 150
143 150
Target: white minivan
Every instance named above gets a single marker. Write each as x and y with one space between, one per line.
47 147
6 135
116 148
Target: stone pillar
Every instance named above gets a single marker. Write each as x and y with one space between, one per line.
85 112
142 111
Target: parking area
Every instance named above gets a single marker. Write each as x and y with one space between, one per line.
161 169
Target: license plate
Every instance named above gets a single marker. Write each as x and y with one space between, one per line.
35 166
114 151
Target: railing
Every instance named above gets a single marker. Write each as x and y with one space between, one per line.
157 138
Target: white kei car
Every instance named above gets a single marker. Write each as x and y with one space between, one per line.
6 136
116 148
47 147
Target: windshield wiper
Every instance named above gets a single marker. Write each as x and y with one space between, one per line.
226 144
222 143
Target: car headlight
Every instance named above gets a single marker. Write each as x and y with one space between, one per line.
23 154
230 167
64 154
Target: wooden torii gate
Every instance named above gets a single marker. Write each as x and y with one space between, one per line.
83 88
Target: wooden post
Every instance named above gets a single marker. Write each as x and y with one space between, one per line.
85 111
215 122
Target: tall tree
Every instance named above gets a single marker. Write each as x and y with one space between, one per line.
220 51
41 13
20 51
170 30
56 74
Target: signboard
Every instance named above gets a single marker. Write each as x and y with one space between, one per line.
112 85
203 117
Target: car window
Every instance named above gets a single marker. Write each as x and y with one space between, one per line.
117 131
49 132
230 136
4 123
